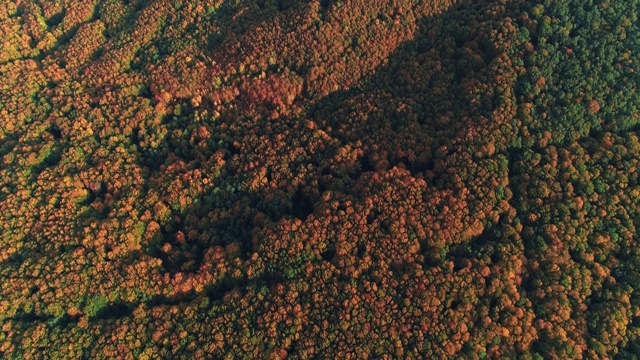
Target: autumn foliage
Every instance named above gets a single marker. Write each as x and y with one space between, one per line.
331 179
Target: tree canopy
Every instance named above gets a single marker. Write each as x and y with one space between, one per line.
333 179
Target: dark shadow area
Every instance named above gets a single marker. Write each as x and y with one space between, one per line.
97 54
301 206
55 132
7 146
114 311
328 254
56 19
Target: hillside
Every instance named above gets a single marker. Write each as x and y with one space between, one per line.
319 179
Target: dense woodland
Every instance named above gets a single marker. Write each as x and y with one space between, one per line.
319 179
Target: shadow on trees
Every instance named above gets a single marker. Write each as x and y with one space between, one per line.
415 115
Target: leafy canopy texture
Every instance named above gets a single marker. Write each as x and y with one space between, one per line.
319 179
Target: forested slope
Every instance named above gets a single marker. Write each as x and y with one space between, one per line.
332 179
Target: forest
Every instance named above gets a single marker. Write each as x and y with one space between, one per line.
350 179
